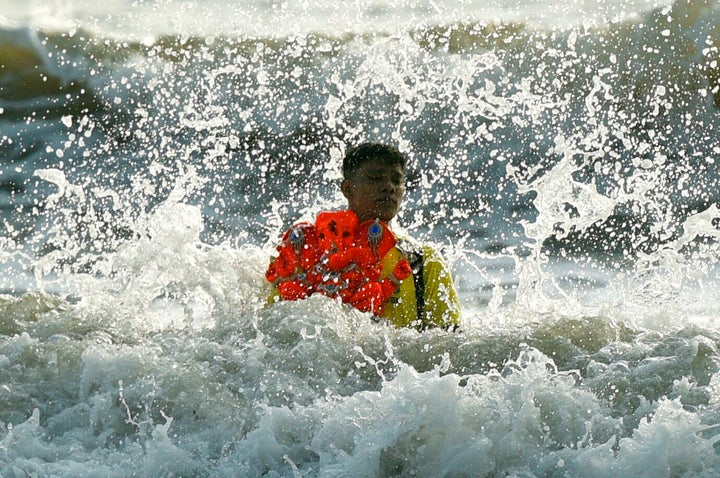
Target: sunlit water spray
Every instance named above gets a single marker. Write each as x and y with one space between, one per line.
568 169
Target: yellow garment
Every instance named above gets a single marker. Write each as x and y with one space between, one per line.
442 307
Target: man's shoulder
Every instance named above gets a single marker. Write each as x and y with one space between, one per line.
408 244
420 252
412 249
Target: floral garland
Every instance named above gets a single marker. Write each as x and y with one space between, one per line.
337 257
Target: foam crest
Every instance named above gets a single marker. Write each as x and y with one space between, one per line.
442 424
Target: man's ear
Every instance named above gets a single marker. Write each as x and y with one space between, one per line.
346 187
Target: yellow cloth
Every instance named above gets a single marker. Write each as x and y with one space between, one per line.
442 307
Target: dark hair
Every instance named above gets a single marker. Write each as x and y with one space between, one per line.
357 155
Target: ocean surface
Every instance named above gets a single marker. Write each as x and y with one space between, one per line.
564 157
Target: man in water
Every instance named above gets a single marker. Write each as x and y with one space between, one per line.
374 184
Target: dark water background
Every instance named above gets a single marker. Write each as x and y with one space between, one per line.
570 174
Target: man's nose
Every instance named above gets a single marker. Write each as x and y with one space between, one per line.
387 185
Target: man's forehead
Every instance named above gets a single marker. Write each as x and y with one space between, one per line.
380 166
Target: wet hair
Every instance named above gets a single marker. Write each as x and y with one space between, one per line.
356 156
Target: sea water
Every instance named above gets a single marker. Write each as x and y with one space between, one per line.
563 156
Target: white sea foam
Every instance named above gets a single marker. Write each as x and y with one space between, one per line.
149 18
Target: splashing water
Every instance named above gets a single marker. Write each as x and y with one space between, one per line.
563 155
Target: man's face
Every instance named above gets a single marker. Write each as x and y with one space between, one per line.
375 190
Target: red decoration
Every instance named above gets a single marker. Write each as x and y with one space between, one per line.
291 272
337 257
